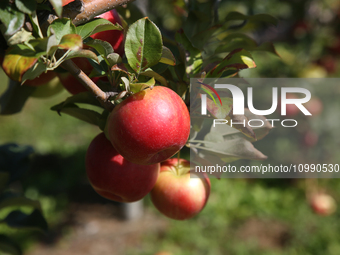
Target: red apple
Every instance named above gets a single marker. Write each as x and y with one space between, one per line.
115 178
114 37
323 204
175 194
149 126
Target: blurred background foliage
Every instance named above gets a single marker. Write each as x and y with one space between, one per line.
254 216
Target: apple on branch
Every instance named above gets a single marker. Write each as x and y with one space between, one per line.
149 126
114 37
115 178
176 194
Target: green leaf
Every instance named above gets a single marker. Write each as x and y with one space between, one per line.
217 110
67 42
268 47
20 37
34 72
238 40
18 219
114 58
143 45
167 57
200 39
102 47
8 246
58 6
61 27
266 18
236 60
11 17
260 132
69 107
35 24
86 115
230 150
96 26
224 143
9 199
235 41
193 56
136 87
82 54
18 59
241 125
150 73
26 6
82 98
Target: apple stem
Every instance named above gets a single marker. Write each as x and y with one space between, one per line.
102 96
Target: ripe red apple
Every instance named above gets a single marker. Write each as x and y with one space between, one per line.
149 126
323 204
175 194
114 37
115 178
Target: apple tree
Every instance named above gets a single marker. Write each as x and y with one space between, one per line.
125 56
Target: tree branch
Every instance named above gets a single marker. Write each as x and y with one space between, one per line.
74 70
82 11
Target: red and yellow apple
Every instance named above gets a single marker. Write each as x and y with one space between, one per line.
149 126
176 194
115 178
323 204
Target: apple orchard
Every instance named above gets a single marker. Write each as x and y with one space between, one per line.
139 78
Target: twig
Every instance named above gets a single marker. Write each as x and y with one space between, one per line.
74 70
82 11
